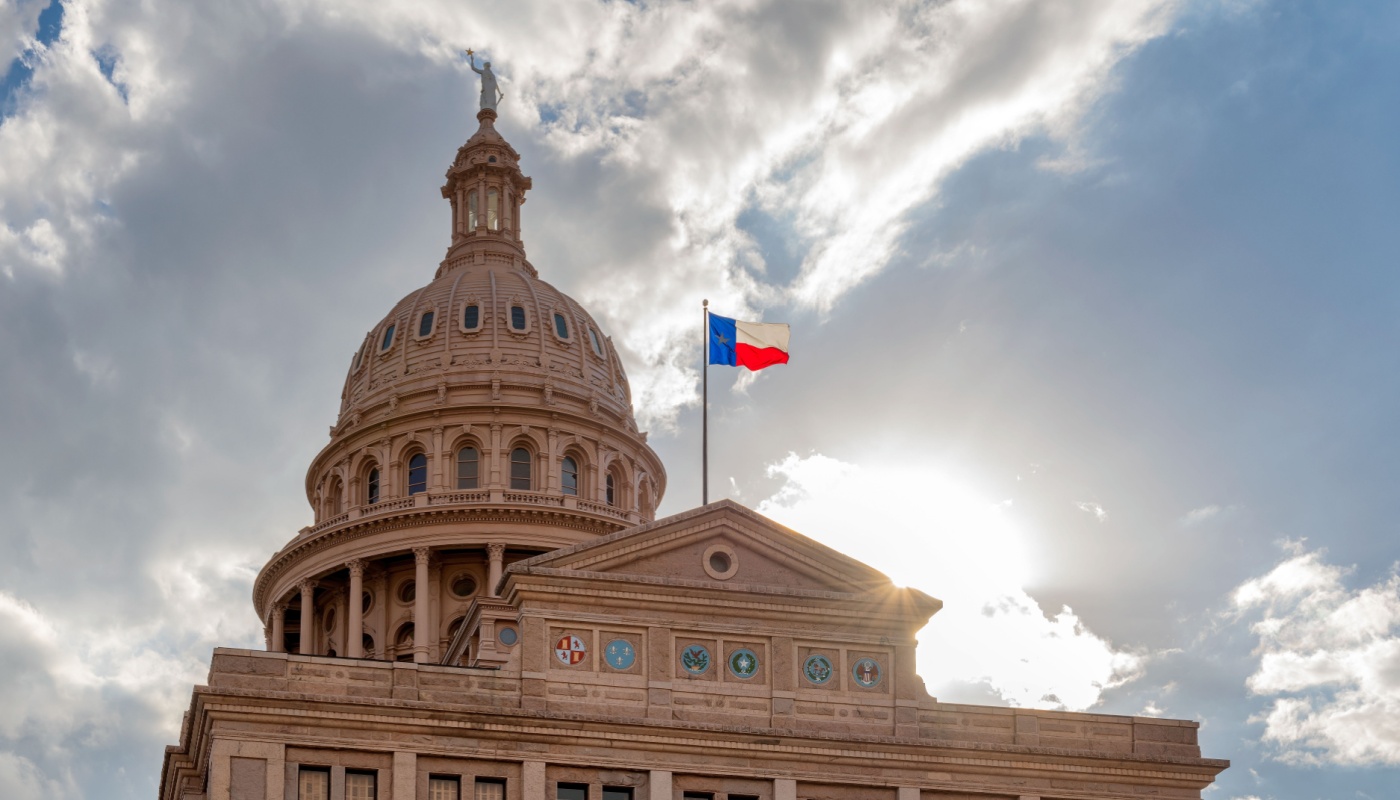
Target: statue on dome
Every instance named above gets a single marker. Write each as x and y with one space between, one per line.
490 94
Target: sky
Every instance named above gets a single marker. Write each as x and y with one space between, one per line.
1094 314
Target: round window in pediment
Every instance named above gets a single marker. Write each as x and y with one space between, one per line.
720 562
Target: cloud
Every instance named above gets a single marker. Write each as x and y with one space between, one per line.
968 551
1198 515
1100 513
1329 657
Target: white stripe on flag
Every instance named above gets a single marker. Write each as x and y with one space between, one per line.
762 334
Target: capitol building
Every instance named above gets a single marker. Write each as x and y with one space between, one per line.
485 606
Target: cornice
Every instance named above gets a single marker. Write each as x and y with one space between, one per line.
549 516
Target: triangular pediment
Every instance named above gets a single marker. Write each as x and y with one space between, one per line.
722 545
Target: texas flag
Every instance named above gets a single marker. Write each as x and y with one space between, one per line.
747 344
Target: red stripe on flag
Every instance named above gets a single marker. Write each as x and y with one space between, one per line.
756 358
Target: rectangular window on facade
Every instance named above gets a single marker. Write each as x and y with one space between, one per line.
313 783
490 789
572 791
359 785
698 796
741 797
444 788
617 793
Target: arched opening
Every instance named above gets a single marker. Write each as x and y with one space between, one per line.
520 463
418 474
493 209
517 317
610 489
471 211
561 326
568 476
471 317
468 468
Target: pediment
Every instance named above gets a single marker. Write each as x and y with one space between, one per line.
722 544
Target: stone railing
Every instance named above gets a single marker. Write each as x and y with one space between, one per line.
330 523
533 499
600 508
459 498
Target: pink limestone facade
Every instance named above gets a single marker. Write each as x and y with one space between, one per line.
486 609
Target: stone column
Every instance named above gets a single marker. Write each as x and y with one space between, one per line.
421 634
436 482
279 630
308 625
355 635
496 553
552 470
405 785
379 581
495 456
659 785
532 781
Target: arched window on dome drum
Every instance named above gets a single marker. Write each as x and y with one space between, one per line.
493 209
372 487
568 476
610 487
471 210
471 317
425 323
388 338
517 317
520 469
467 464
418 474
561 326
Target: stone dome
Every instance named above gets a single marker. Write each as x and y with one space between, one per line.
485 419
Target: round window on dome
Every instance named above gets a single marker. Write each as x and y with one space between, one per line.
464 586
408 592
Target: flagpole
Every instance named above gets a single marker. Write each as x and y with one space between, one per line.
705 410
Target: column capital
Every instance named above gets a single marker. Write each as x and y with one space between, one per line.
356 567
307 585
421 555
496 551
279 607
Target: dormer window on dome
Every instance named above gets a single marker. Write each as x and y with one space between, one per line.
597 343
388 338
425 324
561 326
471 318
518 320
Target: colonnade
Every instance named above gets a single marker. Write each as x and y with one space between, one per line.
424 629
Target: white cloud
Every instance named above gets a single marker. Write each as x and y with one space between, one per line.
967 551
1100 513
1198 515
1329 656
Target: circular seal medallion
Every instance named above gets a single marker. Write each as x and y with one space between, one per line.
866 671
695 659
743 663
817 668
570 650
620 654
